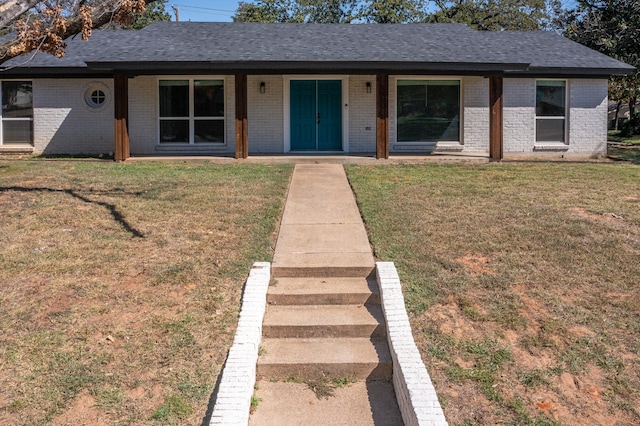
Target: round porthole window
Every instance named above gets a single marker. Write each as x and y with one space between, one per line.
96 96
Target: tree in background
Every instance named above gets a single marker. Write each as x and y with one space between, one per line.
492 15
478 14
293 11
613 28
44 25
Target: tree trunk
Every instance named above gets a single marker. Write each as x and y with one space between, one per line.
615 120
632 106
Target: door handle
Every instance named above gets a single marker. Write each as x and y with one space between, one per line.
318 119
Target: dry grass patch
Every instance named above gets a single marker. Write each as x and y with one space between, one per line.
121 284
522 281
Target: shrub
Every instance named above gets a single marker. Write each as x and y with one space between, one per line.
631 126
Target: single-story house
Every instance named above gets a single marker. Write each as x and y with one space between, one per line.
184 88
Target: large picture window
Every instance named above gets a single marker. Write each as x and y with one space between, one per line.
191 111
428 110
551 110
17 113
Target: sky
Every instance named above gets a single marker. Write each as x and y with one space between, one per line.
203 10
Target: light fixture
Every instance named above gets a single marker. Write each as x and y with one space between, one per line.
368 87
262 87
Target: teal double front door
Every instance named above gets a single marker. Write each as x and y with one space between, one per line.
316 115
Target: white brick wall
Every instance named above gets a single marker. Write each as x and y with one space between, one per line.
238 377
265 114
362 114
475 98
416 396
588 117
519 114
143 114
63 123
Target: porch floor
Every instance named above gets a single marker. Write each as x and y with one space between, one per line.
324 159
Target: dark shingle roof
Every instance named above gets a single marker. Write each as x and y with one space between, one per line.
198 46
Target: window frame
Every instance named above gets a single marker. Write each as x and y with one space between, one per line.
565 117
3 119
460 81
192 118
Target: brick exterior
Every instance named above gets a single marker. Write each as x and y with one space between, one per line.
238 377
475 119
63 123
61 116
362 114
416 396
587 119
266 114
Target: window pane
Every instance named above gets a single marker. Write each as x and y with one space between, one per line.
17 132
17 99
209 131
209 98
550 98
549 130
174 131
174 98
428 111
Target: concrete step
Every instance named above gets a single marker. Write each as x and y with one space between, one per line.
312 359
365 403
301 321
323 291
317 264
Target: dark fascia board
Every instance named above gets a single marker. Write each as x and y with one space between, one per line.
262 67
54 72
571 72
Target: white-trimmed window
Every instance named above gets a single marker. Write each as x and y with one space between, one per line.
551 111
191 111
428 110
17 113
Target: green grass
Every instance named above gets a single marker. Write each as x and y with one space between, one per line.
614 136
121 283
516 277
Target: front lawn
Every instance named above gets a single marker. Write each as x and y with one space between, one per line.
522 282
121 285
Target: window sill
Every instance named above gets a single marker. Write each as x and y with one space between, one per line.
551 147
414 146
16 149
186 147
449 147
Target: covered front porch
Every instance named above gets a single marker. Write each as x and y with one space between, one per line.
247 114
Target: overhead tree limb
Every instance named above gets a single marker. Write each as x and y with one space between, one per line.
48 34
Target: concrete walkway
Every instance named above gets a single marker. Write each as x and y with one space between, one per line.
323 320
321 231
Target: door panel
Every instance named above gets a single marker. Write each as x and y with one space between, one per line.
316 115
330 113
303 115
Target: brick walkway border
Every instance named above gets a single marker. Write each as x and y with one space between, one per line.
415 393
236 387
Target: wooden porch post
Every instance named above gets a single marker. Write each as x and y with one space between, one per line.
382 116
495 119
121 113
242 134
